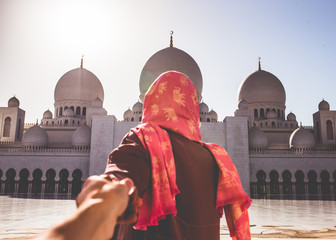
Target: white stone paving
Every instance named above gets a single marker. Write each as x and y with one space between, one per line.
26 216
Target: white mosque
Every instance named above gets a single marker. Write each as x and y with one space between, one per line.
275 157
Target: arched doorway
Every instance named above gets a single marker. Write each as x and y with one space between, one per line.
23 182
37 182
287 184
312 185
274 184
330 131
10 181
76 182
7 127
261 184
50 182
299 185
325 185
63 182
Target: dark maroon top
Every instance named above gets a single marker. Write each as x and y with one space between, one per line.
196 178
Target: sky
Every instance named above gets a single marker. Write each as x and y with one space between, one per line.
42 40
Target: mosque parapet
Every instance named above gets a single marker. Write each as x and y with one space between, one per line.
59 145
292 152
58 151
28 125
53 147
6 146
10 144
279 145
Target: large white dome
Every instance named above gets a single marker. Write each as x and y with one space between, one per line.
78 84
167 59
262 87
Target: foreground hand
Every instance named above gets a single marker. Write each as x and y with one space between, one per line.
94 183
109 200
100 204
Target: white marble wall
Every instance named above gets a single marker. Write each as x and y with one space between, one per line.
236 134
231 134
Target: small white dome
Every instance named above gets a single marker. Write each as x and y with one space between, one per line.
81 137
291 117
301 138
35 137
213 116
271 115
47 114
97 103
204 109
13 102
324 106
137 107
257 138
68 112
243 105
128 114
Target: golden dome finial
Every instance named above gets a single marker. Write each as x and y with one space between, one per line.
259 65
171 38
81 66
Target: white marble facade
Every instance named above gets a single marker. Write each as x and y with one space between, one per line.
275 157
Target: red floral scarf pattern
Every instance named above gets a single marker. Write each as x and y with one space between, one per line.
171 103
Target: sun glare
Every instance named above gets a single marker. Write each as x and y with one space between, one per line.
80 24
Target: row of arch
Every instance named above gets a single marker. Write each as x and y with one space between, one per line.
37 185
80 111
313 188
261 113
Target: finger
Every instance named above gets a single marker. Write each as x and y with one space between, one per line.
91 184
130 185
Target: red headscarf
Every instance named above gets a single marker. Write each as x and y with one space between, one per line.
171 103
